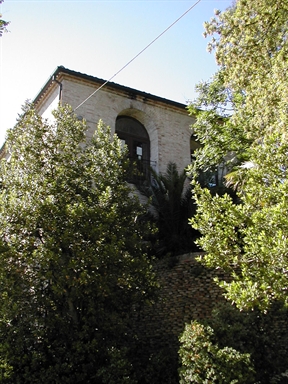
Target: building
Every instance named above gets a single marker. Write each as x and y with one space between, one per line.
156 130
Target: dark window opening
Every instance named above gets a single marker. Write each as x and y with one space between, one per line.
132 133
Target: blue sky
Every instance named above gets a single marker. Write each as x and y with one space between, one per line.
98 38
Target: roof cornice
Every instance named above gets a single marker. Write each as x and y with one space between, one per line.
111 85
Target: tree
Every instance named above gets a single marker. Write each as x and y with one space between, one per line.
171 200
244 346
243 125
203 361
73 262
3 24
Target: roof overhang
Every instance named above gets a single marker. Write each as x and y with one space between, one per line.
62 72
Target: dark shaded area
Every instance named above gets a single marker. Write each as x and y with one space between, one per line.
263 335
172 207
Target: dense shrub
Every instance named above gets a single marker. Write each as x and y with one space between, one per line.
74 268
204 361
218 346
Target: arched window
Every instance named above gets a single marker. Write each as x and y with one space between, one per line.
132 133
135 136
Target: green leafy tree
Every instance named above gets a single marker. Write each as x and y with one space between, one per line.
244 346
203 361
171 200
242 125
3 24
73 263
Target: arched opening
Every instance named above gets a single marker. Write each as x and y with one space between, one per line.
133 134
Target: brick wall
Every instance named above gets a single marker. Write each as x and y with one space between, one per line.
187 292
168 128
168 125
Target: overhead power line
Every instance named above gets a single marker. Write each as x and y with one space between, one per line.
138 54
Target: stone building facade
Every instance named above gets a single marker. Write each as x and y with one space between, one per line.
156 130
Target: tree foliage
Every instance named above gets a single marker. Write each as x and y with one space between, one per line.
242 125
203 361
3 23
171 201
73 263
244 346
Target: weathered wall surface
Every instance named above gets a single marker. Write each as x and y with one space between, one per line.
168 126
187 293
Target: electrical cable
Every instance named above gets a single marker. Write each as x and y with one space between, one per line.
138 54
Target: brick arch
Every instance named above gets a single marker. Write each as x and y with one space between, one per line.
148 123
135 136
